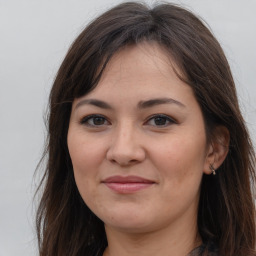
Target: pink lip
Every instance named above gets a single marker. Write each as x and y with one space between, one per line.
129 184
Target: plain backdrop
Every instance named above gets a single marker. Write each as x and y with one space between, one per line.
34 37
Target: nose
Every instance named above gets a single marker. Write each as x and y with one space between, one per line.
125 147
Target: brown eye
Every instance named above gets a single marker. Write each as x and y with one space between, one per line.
160 121
98 120
94 120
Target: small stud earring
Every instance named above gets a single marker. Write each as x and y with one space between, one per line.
212 169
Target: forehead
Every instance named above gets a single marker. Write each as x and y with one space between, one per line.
143 69
149 57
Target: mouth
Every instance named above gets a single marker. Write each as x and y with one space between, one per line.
128 184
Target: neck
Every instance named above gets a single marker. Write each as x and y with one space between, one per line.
177 240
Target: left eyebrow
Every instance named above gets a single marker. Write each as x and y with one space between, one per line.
159 101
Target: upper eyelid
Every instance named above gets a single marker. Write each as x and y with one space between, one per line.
87 117
162 115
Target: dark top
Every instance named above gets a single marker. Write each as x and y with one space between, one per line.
202 250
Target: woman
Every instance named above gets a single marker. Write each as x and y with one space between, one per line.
148 153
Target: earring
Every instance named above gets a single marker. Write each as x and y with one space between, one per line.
212 169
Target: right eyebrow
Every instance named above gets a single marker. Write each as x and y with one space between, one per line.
94 102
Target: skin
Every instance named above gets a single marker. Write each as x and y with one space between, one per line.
127 139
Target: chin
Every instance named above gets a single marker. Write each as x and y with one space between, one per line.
127 221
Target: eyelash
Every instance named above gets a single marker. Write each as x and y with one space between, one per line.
162 116
85 120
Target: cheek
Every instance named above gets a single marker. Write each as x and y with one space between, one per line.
180 167
86 158
86 155
180 151
180 161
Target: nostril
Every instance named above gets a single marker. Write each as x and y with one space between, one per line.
124 162
123 159
125 151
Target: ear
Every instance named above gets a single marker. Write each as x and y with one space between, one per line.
217 149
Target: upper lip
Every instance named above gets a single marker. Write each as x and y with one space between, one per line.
126 179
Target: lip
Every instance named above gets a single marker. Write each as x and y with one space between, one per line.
127 184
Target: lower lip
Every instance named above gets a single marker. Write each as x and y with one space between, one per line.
126 188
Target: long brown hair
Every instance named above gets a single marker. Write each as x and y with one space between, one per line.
226 214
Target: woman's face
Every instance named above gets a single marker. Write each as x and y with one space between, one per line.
138 144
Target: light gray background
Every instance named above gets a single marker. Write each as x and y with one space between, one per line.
34 37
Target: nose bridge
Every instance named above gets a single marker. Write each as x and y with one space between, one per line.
125 146
125 132
124 139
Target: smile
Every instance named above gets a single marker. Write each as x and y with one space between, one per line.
127 185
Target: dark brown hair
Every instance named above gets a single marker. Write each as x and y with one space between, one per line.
226 214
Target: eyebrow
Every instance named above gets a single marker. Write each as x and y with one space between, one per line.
159 101
141 104
94 102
